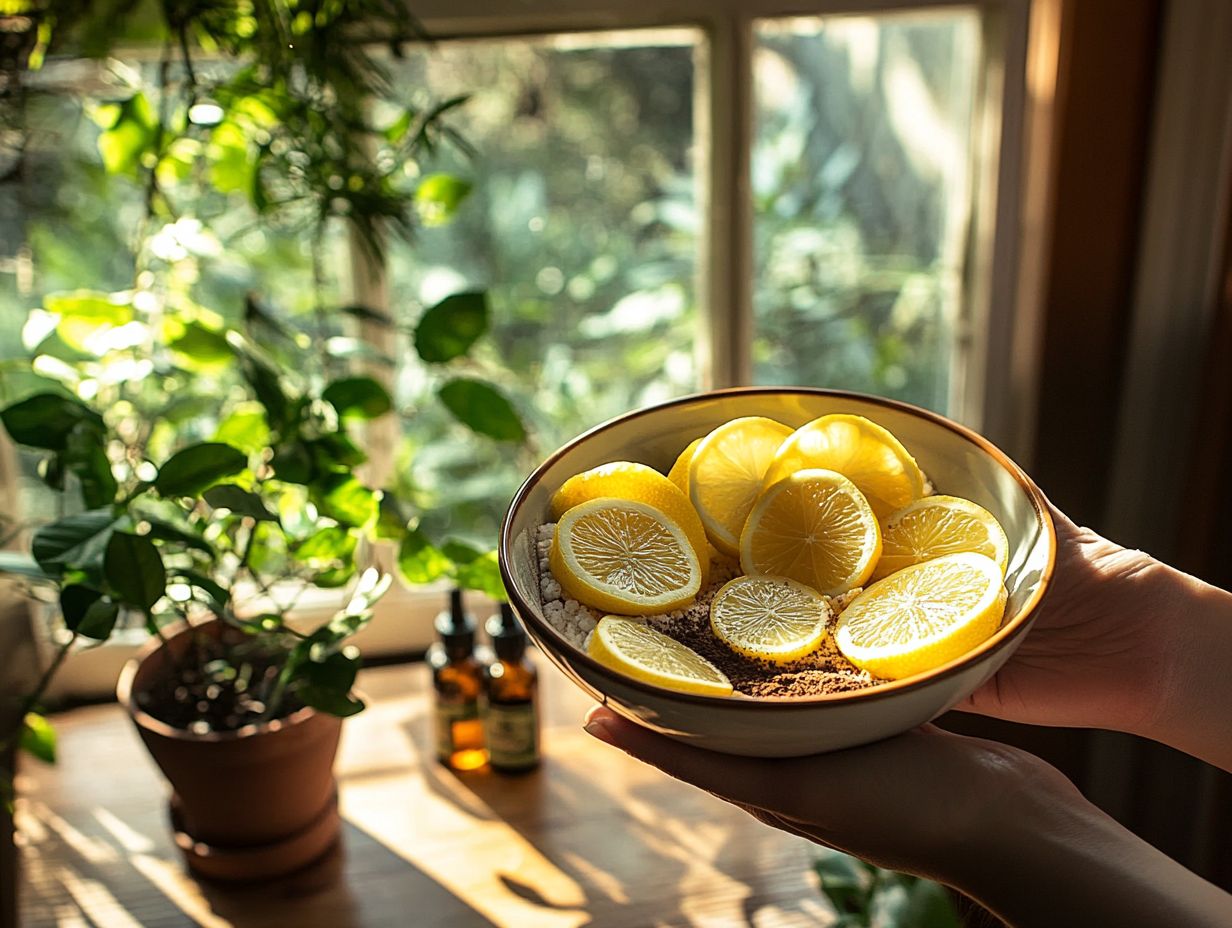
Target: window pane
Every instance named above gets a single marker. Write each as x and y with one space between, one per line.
582 226
862 172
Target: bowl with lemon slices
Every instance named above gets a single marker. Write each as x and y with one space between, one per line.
778 571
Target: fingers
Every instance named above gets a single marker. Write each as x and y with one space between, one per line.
743 780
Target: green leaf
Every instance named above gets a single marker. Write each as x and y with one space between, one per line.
844 880
460 552
202 345
75 600
267 387
335 670
38 738
420 561
326 547
245 429
134 570
482 574
341 497
392 519
438 197
240 501
100 620
191 470
930 906
167 531
88 612
125 145
479 406
358 397
85 313
889 902
86 456
231 161
330 702
335 450
294 463
75 541
46 420
448 329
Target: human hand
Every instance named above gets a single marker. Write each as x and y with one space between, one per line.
919 802
1093 658
988 819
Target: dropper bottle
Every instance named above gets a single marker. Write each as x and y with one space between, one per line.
457 682
511 697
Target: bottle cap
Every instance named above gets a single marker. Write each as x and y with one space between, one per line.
455 625
508 636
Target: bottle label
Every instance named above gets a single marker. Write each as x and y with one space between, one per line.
449 715
513 735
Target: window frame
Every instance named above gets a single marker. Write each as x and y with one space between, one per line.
995 368
998 320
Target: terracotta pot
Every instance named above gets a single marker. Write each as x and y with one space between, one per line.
255 803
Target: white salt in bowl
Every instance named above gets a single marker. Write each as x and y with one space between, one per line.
957 461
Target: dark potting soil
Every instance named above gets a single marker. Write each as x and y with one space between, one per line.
219 684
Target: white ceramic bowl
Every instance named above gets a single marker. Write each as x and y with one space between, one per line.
958 461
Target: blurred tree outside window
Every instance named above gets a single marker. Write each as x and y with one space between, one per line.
578 212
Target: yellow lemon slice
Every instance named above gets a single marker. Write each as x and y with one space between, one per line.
773 618
814 527
679 474
862 451
651 656
938 525
923 615
725 475
623 556
627 480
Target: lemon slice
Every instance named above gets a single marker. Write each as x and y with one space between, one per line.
679 474
814 527
651 656
773 618
938 525
922 616
623 556
627 480
725 475
862 451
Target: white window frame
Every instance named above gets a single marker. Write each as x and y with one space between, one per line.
999 321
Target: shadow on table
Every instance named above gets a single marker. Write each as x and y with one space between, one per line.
650 852
78 870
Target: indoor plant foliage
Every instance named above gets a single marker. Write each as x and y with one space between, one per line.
205 453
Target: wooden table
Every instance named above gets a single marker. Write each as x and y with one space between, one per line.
591 838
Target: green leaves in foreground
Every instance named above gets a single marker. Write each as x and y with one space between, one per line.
38 738
451 327
134 570
46 420
478 405
358 397
192 469
864 895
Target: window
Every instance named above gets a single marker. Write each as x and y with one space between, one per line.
667 198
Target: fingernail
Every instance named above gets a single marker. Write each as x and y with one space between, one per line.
598 729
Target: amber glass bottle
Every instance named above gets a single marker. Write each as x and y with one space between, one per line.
457 683
511 697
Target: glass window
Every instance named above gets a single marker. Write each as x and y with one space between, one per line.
582 225
862 175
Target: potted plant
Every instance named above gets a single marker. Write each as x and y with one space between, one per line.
204 459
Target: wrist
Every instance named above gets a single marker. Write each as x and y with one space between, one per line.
1067 862
1193 689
